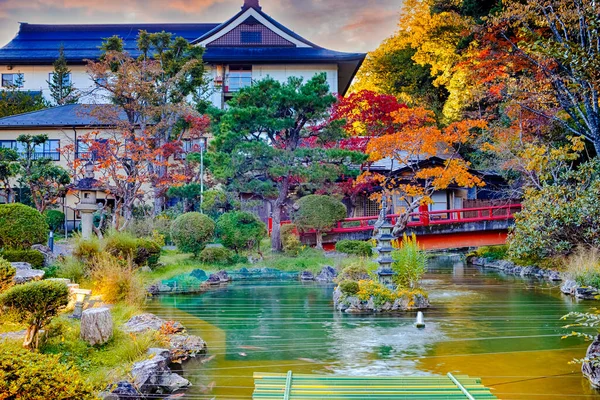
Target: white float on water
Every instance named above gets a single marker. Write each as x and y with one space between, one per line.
420 322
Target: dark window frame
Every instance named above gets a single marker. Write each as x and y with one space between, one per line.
4 83
50 149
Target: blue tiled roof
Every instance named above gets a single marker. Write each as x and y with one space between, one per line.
71 115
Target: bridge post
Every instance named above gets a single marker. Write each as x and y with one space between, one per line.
424 214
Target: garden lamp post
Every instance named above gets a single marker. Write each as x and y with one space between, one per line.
88 189
384 248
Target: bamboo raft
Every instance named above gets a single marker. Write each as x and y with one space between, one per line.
295 386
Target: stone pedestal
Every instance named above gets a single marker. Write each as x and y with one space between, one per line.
96 325
87 223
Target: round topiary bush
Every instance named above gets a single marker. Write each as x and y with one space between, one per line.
190 232
349 288
21 226
7 273
216 255
358 247
55 219
240 230
320 213
31 375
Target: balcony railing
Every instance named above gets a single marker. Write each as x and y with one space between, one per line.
52 155
235 83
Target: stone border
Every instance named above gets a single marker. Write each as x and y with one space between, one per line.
511 268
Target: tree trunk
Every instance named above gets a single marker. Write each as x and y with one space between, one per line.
31 337
319 236
159 201
278 208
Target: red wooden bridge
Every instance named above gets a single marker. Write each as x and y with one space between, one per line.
445 229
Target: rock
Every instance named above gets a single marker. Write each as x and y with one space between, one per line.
154 376
223 276
554 276
159 352
327 274
568 287
586 293
199 274
182 347
25 273
46 252
142 323
124 391
96 325
307 276
213 279
589 370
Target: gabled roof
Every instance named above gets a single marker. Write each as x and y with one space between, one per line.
70 115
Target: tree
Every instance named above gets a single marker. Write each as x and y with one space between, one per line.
192 231
46 180
9 170
7 274
60 84
260 142
15 101
152 90
240 230
36 303
429 155
320 213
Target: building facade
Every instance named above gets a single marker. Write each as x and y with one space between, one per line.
248 47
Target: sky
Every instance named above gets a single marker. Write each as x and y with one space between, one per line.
344 25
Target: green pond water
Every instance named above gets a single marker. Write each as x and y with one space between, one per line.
505 330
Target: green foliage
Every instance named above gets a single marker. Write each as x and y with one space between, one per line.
215 201
71 268
85 250
561 215
192 231
34 376
493 252
9 169
7 273
290 240
151 227
240 230
21 227
14 101
358 247
354 272
120 244
55 220
35 303
33 257
147 252
410 263
60 84
318 212
349 288
583 266
216 255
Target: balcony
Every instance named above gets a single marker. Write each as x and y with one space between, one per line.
235 82
52 155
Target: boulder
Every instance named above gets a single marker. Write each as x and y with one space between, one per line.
142 323
568 287
223 276
213 279
199 274
124 391
159 352
182 347
154 377
25 273
586 293
96 325
307 276
327 274
554 276
590 368
46 252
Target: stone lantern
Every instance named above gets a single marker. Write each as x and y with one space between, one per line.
384 248
88 189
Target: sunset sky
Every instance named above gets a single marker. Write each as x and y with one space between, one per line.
345 25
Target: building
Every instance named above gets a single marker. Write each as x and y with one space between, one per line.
248 47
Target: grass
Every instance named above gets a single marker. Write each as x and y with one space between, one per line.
583 267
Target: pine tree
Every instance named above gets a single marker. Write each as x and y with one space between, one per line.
61 87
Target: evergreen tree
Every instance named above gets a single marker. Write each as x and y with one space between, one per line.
61 86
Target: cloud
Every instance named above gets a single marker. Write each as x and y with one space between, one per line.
350 25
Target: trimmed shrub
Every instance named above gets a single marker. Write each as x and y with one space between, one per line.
120 244
55 220
117 280
7 273
353 272
358 247
216 255
21 226
85 250
147 252
319 213
33 257
35 303
34 376
349 288
240 230
192 231
290 240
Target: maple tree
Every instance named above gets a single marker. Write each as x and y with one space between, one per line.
428 156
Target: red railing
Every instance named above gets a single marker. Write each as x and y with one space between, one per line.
427 218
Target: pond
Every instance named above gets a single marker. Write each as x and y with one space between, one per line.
505 330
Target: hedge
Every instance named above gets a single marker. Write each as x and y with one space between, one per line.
21 226
33 257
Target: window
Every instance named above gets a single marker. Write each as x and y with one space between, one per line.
12 80
192 146
240 76
251 37
66 78
50 149
84 152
